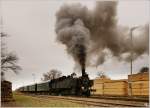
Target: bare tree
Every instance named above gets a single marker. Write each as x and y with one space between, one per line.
73 75
52 74
8 60
144 69
101 74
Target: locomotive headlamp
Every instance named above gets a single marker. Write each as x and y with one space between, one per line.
82 88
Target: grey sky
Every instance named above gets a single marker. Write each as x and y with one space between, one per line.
31 25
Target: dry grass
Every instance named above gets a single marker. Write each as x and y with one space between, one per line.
22 100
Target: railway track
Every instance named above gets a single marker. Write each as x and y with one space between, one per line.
125 98
96 102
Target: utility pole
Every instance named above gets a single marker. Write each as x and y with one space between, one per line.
131 63
131 35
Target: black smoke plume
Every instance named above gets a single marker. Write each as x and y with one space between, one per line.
95 33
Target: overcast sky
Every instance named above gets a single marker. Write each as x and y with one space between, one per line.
31 26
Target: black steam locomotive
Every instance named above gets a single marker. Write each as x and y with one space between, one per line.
62 86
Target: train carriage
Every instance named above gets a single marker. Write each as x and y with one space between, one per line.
43 88
26 89
21 89
32 88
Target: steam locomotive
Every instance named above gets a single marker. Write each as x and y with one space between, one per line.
62 86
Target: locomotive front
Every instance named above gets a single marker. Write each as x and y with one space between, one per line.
86 83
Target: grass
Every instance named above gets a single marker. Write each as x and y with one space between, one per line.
22 100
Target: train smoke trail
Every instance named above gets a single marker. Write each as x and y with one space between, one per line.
74 35
95 33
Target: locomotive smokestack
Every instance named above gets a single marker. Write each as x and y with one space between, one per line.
83 71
